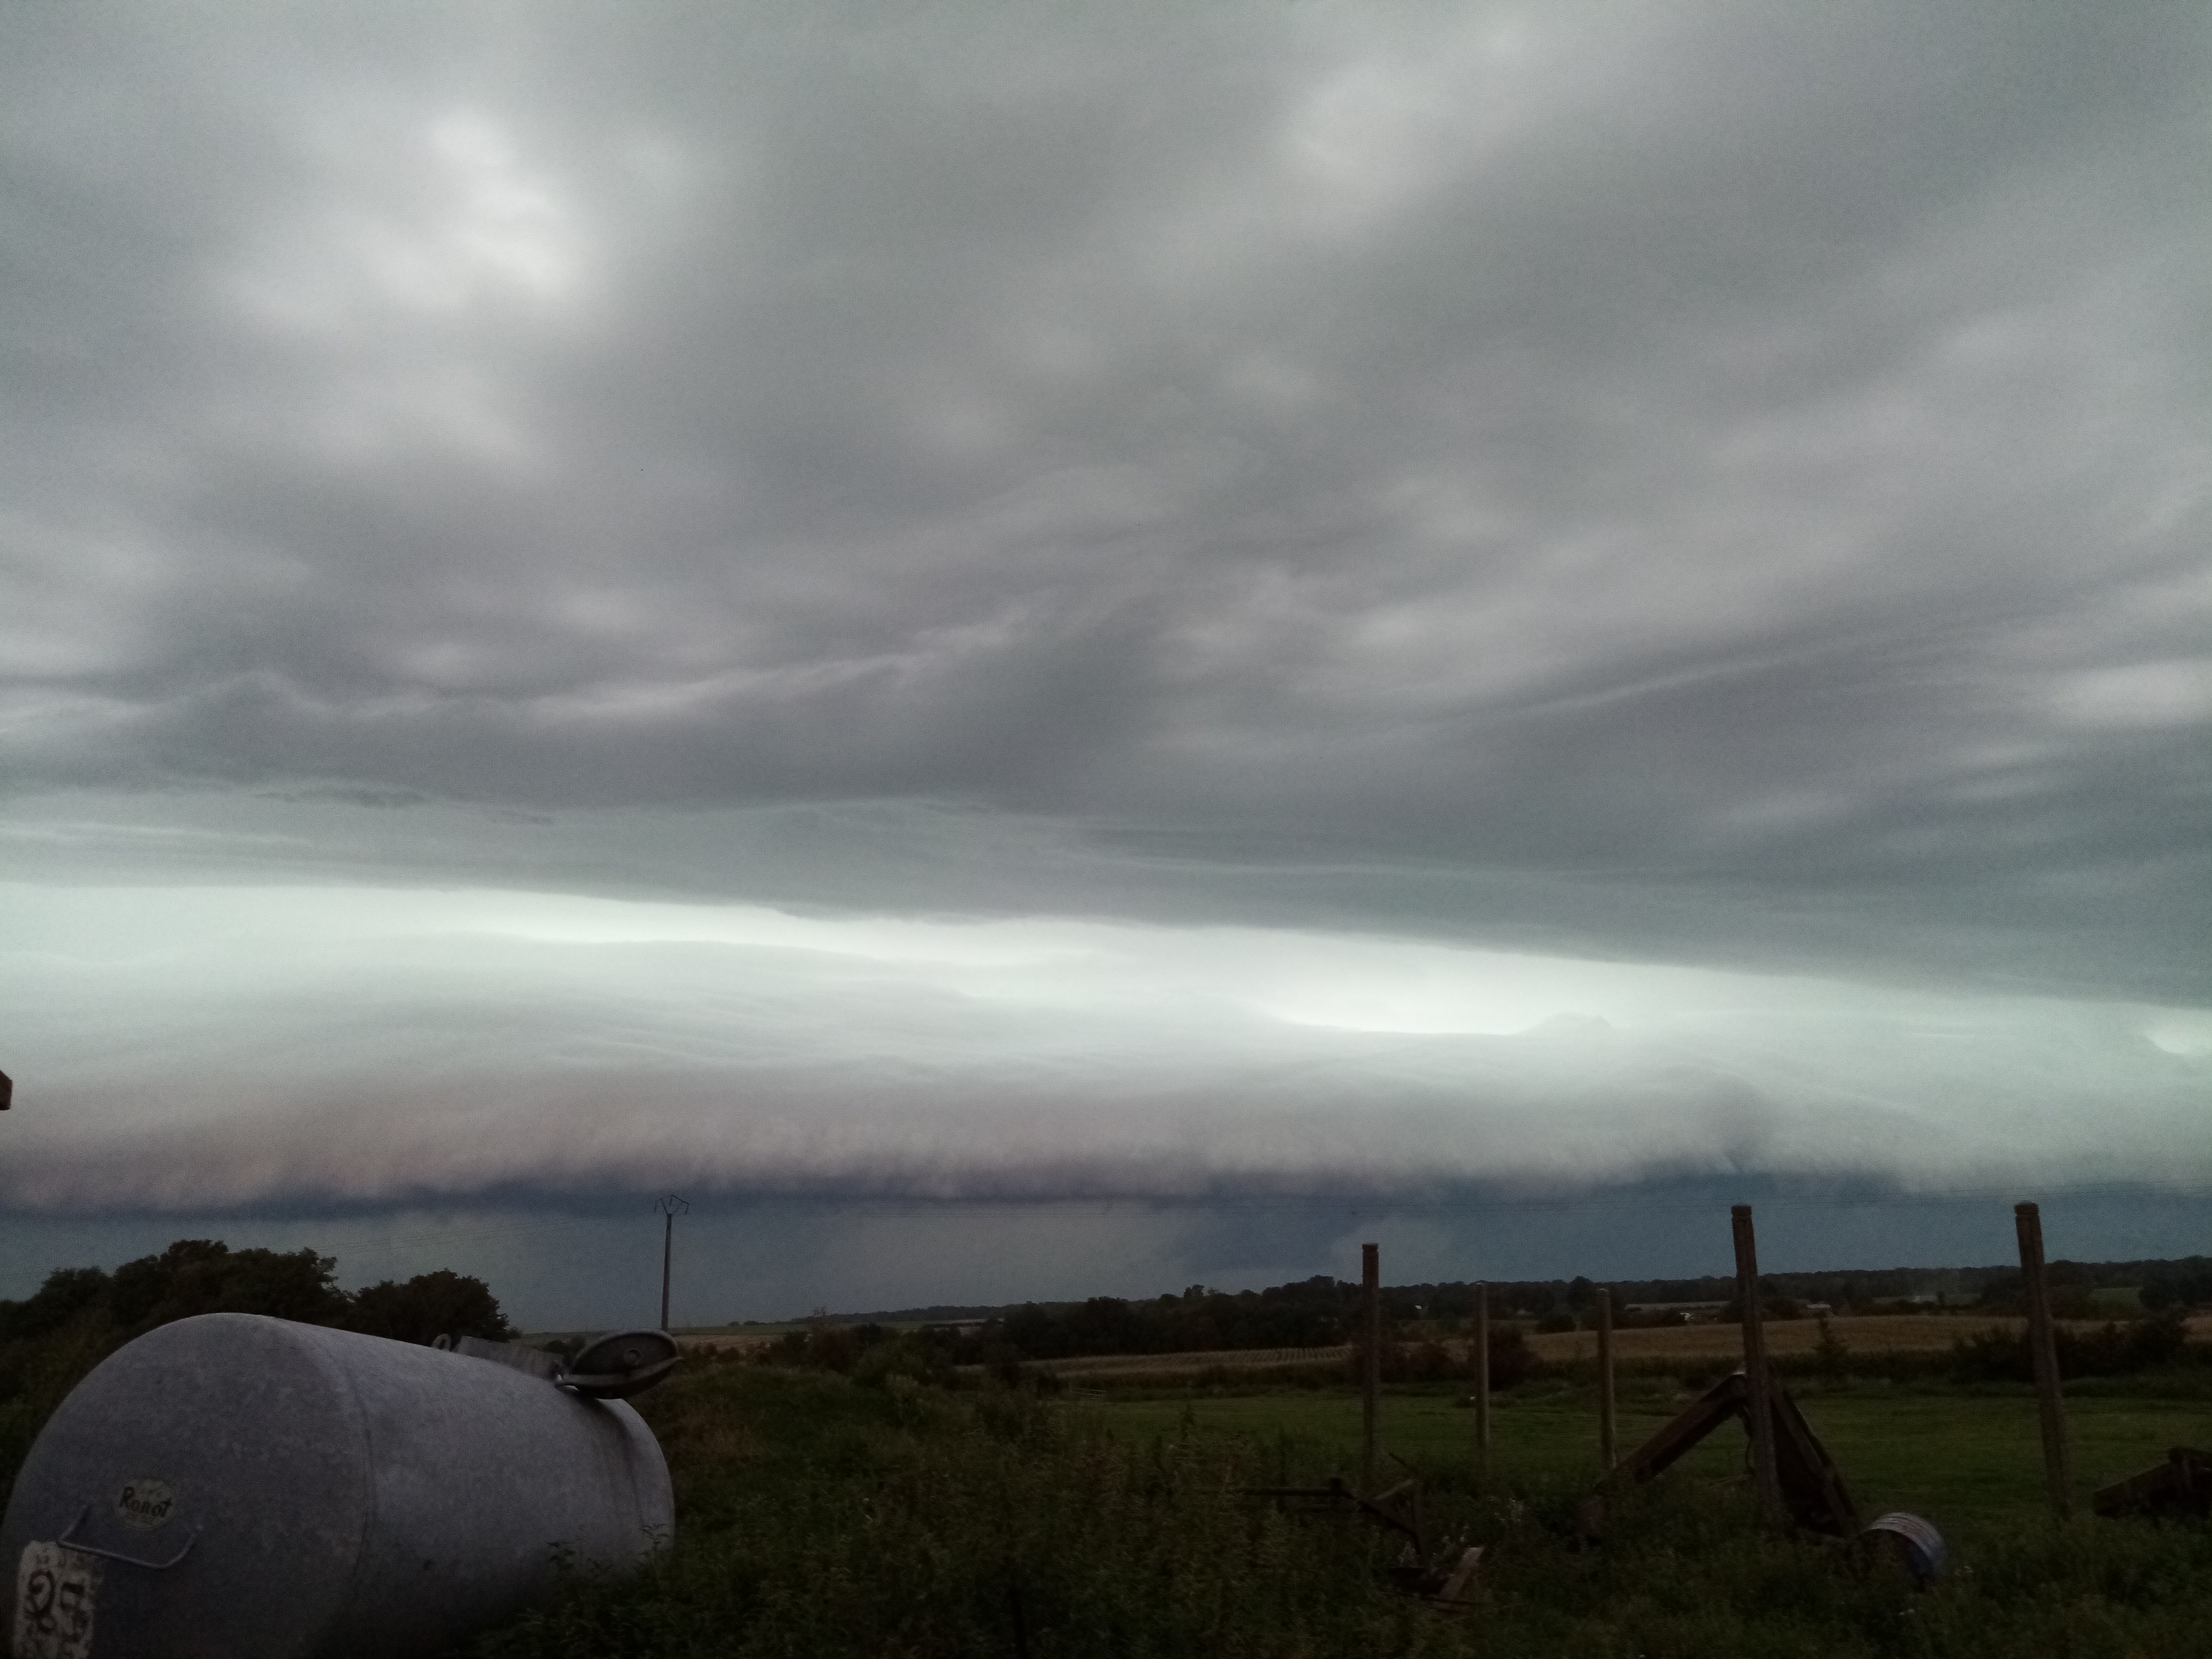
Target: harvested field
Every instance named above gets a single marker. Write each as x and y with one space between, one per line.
1870 1333
722 1344
1177 1364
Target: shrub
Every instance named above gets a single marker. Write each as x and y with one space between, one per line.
2113 1350
429 1306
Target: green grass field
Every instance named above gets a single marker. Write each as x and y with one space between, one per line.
816 1516
1954 1457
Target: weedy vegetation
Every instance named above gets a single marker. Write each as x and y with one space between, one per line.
819 1515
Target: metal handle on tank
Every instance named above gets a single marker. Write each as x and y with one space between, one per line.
85 1515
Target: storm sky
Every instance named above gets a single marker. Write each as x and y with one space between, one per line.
1030 609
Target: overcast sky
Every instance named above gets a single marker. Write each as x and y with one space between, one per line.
1129 603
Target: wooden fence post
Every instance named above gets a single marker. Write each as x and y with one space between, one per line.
2043 1352
1371 1370
1757 1386
1605 1426
1482 1376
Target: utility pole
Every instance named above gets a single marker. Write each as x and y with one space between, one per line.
670 1207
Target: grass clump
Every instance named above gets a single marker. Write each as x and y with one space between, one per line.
818 1517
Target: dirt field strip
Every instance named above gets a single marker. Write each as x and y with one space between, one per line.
1868 1333
1254 1359
722 1344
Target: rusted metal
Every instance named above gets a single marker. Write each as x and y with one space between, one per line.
1810 1490
2180 1486
1445 1577
1812 1487
1715 1406
1337 1497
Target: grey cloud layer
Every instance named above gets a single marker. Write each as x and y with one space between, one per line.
1757 452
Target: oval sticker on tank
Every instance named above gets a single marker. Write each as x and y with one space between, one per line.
146 1504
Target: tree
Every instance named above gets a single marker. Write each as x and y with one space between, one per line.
429 1306
67 1291
202 1276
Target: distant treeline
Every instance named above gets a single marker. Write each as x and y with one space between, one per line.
1321 1310
936 1353
200 1275
82 1315
2182 1282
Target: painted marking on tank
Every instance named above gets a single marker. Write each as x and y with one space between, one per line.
56 1592
146 1503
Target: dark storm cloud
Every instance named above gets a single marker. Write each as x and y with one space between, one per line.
1751 459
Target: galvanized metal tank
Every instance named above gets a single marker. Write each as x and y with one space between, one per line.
251 1488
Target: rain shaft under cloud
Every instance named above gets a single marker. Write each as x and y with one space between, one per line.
1356 544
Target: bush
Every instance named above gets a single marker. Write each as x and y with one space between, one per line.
2114 1350
429 1306
1511 1361
202 1275
2176 1289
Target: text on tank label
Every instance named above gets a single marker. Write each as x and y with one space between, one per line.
146 1503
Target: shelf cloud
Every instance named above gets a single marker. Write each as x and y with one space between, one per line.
401 1046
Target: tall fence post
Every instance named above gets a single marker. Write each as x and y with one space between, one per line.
1370 1370
2043 1351
1605 1424
1757 1385
1482 1376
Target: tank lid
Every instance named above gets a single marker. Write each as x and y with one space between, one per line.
622 1364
